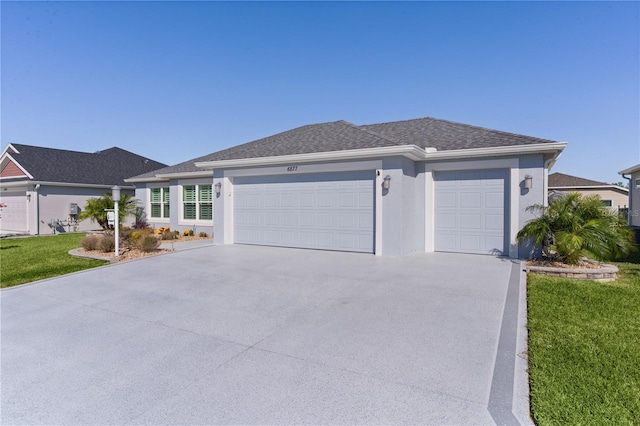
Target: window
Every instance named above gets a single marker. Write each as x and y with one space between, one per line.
637 183
197 202
606 203
160 202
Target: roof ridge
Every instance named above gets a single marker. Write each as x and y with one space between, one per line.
355 126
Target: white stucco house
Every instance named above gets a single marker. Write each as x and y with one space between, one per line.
44 189
632 174
390 189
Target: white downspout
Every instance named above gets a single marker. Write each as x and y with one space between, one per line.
630 199
545 186
36 208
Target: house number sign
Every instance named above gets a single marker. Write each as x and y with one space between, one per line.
292 168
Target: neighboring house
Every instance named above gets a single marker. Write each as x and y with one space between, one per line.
44 189
634 193
611 195
394 188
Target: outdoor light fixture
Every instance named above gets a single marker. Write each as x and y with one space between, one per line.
387 182
528 182
115 194
218 187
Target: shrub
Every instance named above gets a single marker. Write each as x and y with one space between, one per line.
168 235
575 226
107 243
90 242
125 233
203 235
149 243
135 236
188 233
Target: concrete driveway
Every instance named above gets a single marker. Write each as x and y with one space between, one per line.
259 335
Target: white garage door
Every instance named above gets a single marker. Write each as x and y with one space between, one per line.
329 211
470 214
13 217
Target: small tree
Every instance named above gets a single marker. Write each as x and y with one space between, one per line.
95 209
574 226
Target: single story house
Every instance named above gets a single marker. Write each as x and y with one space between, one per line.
44 189
634 193
611 195
391 189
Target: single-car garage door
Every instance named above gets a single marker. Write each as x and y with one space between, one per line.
470 215
328 211
13 217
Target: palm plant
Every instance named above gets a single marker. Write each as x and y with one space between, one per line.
574 226
95 208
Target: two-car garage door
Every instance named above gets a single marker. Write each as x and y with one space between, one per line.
470 211
329 211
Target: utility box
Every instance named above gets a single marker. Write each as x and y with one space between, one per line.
73 209
111 219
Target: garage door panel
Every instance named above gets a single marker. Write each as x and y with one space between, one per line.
14 215
471 221
470 211
326 211
470 200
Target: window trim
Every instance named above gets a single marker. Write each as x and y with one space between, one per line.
197 184
163 203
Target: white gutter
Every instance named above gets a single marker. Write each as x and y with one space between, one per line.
147 179
163 177
629 170
410 151
200 173
540 148
64 184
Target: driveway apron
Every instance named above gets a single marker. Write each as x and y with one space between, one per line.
259 335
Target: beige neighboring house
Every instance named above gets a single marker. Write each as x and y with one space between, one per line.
632 174
611 195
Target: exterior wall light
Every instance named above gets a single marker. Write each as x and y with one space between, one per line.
386 184
218 187
528 182
115 194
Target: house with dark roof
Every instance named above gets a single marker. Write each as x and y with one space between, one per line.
634 193
419 185
611 195
44 189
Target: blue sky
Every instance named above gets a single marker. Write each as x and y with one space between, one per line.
176 80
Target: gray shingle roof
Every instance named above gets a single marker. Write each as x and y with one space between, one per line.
108 167
447 135
341 135
560 180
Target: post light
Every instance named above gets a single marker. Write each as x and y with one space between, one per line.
386 184
218 187
528 182
115 194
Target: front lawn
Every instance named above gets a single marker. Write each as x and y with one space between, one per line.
584 349
24 260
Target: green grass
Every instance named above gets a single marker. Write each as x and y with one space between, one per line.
23 260
584 349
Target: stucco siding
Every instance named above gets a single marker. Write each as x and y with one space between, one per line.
634 198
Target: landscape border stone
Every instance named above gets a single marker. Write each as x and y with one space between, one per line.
606 272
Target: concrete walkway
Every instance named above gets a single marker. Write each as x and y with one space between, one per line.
257 335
